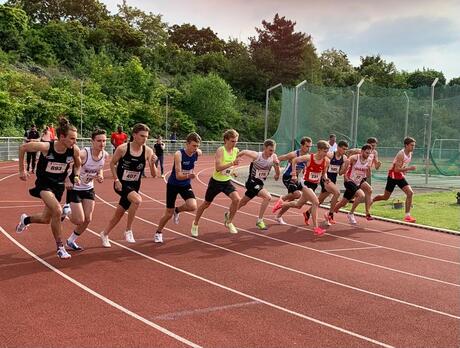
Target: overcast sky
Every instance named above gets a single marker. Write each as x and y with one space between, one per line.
412 33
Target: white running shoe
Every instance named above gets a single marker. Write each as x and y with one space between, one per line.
176 217
231 228
326 219
65 211
194 230
129 237
280 220
351 219
105 240
62 253
158 238
21 226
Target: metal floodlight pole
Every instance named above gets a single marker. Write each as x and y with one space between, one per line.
352 130
296 102
81 108
407 115
430 123
166 118
358 86
267 97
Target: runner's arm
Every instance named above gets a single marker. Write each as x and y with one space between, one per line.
251 154
151 159
276 165
344 166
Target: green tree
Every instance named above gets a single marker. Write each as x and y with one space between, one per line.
425 77
198 41
13 26
378 71
455 81
336 69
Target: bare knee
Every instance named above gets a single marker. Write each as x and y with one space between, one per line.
191 206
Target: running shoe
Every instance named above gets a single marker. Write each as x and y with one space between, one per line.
194 230
306 217
74 246
369 217
105 240
65 211
331 218
280 220
261 225
409 219
231 228
326 219
21 226
158 238
176 217
277 205
318 231
351 219
62 253
129 237
162 175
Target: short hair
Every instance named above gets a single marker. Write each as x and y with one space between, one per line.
372 140
32 126
366 147
305 140
269 142
140 127
64 127
332 136
408 140
97 132
342 143
322 145
193 137
230 133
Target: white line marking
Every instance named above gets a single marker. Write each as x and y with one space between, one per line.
288 268
352 249
337 236
297 314
8 176
175 315
99 296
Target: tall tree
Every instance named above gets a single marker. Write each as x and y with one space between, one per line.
278 50
199 41
425 77
13 26
336 69
378 71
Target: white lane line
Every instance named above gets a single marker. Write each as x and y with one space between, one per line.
334 235
99 296
313 249
253 298
351 249
291 269
176 315
8 176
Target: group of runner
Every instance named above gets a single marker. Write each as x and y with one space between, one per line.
62 165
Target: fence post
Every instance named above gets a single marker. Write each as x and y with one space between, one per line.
8 149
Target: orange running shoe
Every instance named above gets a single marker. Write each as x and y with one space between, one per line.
318 231
277 205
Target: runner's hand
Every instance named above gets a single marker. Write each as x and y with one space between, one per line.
23 175
100 179
68 184
118 186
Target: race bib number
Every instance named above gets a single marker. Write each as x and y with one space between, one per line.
227 172
357 178
129 175
261 174
56 167
334 168
187 171
314 177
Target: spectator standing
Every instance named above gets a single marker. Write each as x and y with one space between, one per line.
52 132
159 148
31 135
118 138
46 134
173 137
332 143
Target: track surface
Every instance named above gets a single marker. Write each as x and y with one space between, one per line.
377 284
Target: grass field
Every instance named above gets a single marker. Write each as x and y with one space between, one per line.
438 209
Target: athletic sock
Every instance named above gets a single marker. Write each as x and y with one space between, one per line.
27 220
176 210
59 243
73 237
259 220
407 214
158 232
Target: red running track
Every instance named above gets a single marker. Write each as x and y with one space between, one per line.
377 284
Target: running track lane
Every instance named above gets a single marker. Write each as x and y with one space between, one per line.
234 262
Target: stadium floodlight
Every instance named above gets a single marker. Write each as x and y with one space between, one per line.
407 114
352 122
430 123
267 96
81 109
296 102
358 86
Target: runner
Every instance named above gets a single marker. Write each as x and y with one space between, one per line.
259 169
130 160
396 177
355 183
315 170
159 148
294 188
179 182
225 160
80 199
337 165
52 176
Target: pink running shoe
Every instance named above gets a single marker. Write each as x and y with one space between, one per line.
277 205
318 231
369 217
409 219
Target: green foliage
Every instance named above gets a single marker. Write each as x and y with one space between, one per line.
336 69
425 77
198 41
13 25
